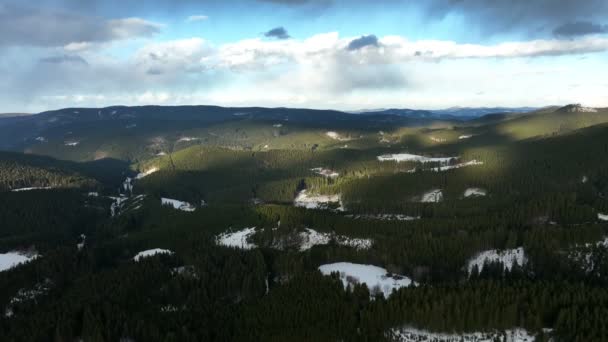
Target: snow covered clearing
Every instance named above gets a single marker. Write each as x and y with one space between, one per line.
12 259
585 256
408 334
93 194
151 252
433 196
405 157
325 172
81 242
238 239
24 295
310 238
508 257
41 139
456 166
378 280
475 192
307 201
336 136
146 173
385 217
187 139
179 205
117 204
32 188
161 154
277 125
468 136
602 217
72 143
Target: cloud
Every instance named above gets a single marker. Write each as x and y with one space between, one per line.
501 16
288 2
362 42
173 57
27 26
579 28
72 59
278 33
195 18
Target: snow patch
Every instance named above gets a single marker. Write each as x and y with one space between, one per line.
310 238
187 139
385 217
277 125
15 258
41 139
238 239
378 280
32 188
146 173
457 166
151 252
82 240
336 136
72 143
507 257
408 334
24 295
179 205
469 136
307 201
475 192
405 157
602 217
432 196
325 172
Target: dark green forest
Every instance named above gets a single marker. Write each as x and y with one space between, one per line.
545 186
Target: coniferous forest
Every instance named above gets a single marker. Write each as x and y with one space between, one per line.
206 226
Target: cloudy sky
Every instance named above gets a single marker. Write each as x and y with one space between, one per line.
342 54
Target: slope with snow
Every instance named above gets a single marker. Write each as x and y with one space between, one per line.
336 136
507 257
475 192
237 239
377 279
13 259
408 334
456 166
384 217
404 157
32 188
432 196
146 173
310 238
325 172
602 217
151 252
179 205
309 201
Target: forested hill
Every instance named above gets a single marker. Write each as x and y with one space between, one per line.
25 171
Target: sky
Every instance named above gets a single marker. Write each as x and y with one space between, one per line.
337 54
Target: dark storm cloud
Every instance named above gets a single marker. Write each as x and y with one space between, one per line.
278 33
32 26
362 42
579 28
64 59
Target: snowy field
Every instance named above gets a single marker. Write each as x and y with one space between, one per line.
336 136
405 157
13 259
308 201
146 173
384 217
475 192
377 278
433 196
325 172
310 238
151 252
179 205
32 188
416 335
237 239
456 166
508 257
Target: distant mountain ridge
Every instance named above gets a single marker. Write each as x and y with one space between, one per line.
452 113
